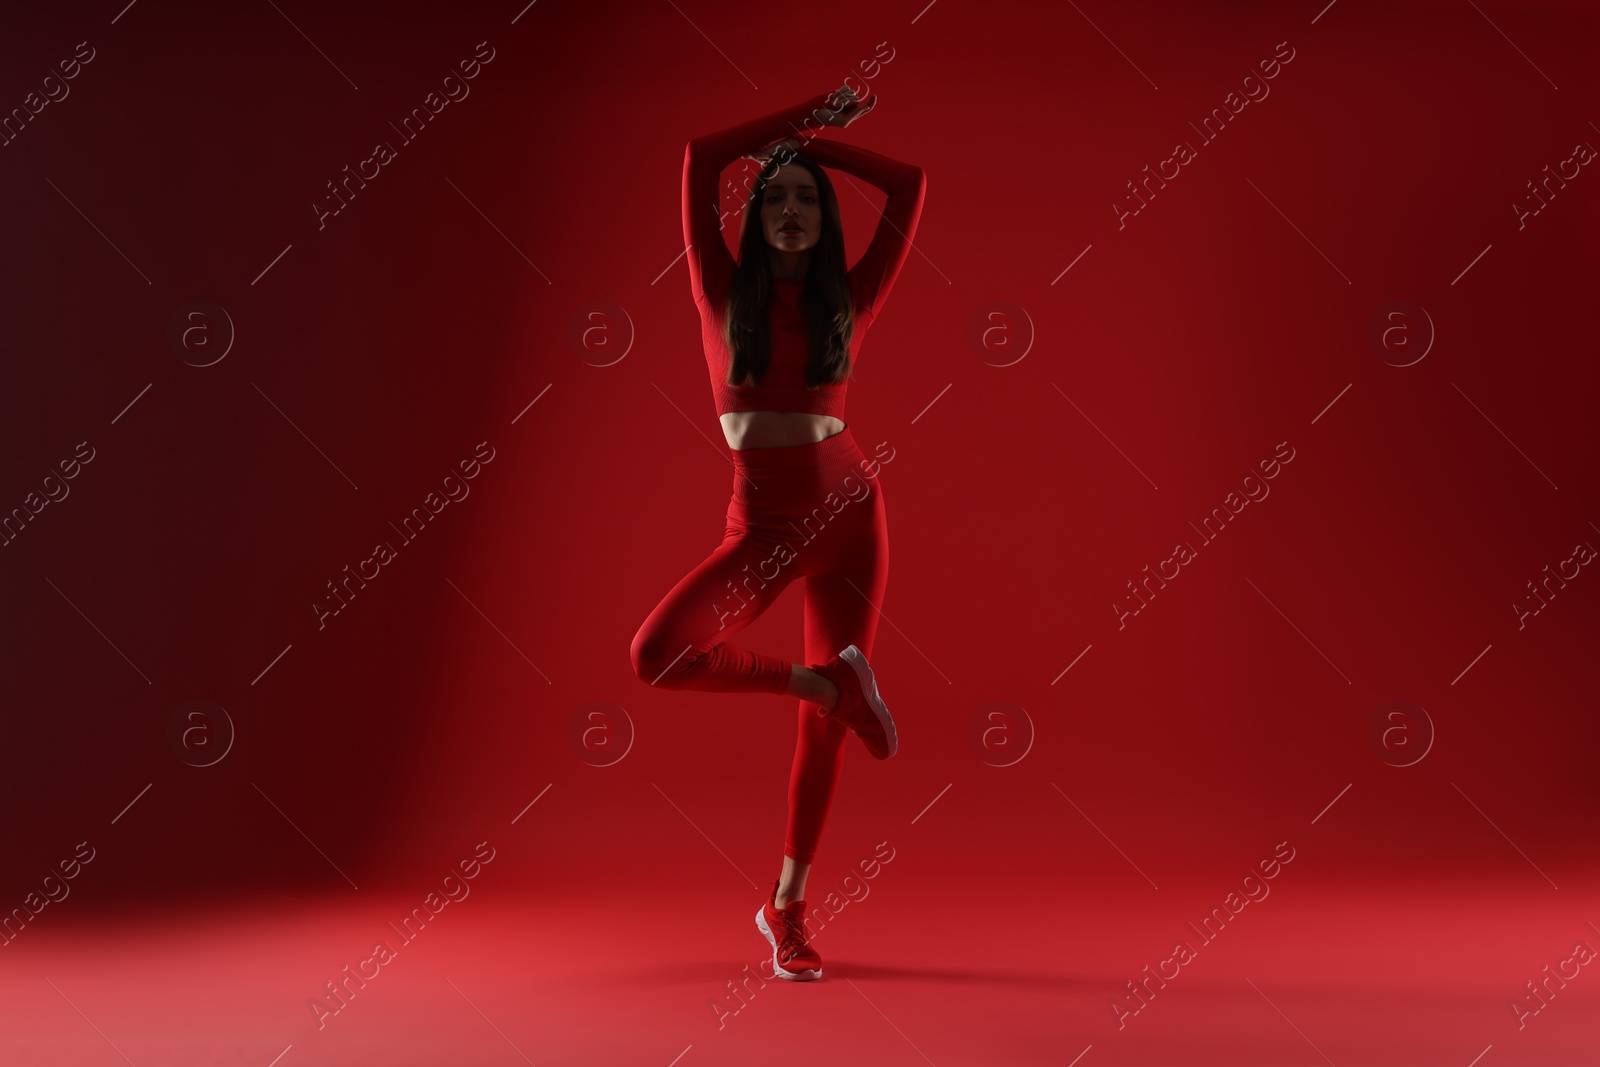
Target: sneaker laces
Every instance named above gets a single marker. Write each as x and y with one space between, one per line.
794 934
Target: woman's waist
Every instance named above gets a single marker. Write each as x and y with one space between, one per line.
751 430
796 476
836 450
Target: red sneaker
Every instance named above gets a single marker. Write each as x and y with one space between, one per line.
785 930
859 706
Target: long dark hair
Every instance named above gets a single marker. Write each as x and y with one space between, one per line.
826 301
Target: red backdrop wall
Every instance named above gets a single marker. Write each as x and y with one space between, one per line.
1069 376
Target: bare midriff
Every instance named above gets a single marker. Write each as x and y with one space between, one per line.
777 429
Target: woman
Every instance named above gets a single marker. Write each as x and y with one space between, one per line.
782 327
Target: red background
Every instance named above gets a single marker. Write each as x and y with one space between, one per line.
425 317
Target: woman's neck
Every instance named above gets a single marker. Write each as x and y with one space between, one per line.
790 265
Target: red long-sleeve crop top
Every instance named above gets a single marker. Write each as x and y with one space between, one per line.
711 266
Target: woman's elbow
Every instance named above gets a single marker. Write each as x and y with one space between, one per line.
917 185
915 182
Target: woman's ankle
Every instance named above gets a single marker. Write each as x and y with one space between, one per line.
826 694
812 687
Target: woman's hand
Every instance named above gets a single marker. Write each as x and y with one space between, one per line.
850 108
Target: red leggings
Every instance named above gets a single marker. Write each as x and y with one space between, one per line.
814 510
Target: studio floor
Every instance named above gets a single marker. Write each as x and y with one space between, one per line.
921 966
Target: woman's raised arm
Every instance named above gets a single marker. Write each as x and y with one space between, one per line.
906 186
710 264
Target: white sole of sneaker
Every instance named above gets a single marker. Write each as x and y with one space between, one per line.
793 976
869 685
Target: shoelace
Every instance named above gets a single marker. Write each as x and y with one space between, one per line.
794 938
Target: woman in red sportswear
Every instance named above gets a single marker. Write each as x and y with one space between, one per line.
782 328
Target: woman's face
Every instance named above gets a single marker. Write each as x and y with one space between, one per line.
791 210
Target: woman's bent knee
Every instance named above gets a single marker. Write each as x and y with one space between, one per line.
652 657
